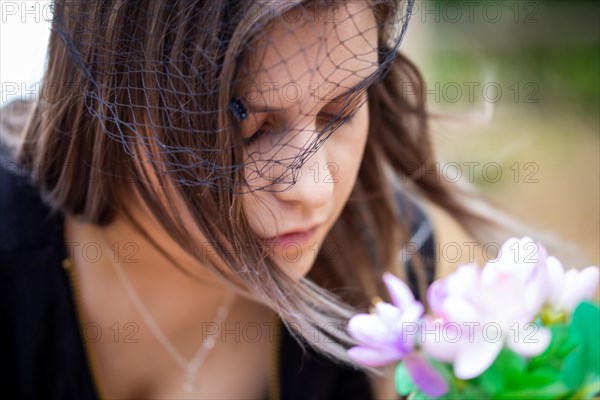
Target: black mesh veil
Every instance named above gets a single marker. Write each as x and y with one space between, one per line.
212 93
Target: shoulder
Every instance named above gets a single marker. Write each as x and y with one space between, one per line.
40 328
27 221
31 239
31 246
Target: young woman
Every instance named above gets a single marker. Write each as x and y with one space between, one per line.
206 192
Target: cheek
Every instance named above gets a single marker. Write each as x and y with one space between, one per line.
347 148
256 208
361 127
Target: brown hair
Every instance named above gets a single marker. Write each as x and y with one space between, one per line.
84 172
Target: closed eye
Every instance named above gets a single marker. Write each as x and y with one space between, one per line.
327 120
335 120
265 127
347 108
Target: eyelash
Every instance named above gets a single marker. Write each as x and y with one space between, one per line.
261 131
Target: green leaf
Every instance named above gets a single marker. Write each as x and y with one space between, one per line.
560 345
471 391
507 367
573 369
539 377
418 396
582 365
556 390
586 323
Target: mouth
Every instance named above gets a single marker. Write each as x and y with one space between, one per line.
296 237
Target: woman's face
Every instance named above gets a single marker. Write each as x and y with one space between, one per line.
305 70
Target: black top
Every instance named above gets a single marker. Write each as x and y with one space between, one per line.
43 353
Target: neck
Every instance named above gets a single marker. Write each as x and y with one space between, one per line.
150 271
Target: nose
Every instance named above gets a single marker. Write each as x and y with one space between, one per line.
310 184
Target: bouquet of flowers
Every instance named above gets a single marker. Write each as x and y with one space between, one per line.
521 327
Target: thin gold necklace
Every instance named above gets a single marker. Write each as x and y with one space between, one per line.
190 368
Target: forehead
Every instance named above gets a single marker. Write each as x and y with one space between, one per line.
331 50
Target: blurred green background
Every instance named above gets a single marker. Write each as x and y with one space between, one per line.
515 86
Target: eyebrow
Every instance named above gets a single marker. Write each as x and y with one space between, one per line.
266 109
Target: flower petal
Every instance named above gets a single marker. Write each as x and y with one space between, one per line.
529 341
400 293
436 293
474 358
387 312
537 286
439 340
373 357
370 329
458 309
427 378
413 313
464 282
581 287
555 276
516 259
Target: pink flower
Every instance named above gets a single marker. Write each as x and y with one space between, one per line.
568 289
387 334
481 310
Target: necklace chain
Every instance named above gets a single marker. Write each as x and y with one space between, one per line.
190 368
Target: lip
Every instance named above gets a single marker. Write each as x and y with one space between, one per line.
297 237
